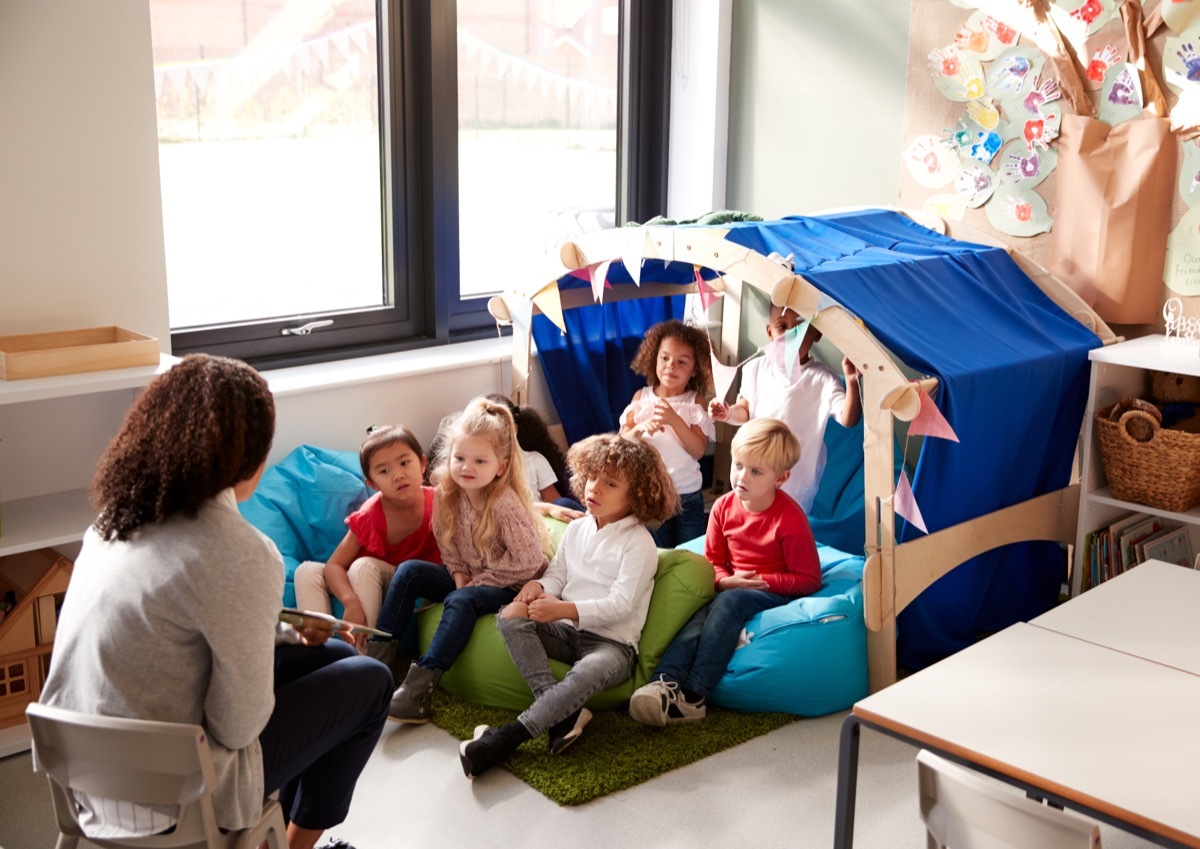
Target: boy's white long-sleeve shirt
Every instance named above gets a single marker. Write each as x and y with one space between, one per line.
608 574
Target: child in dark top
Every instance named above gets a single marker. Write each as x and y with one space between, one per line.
764 555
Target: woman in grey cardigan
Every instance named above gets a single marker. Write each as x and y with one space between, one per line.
172 610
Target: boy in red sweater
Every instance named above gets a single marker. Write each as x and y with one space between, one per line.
764 554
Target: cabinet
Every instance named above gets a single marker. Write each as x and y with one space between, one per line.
1119 371
52 431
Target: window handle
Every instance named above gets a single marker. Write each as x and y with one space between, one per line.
305 329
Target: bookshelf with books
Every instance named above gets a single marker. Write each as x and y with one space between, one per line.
1119 371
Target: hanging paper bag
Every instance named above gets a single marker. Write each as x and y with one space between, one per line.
1114 186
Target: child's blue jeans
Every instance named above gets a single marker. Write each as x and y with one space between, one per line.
699 654
417 579
689 523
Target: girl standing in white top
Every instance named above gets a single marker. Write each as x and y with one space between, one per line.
670 414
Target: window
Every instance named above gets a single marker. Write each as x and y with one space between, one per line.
350 177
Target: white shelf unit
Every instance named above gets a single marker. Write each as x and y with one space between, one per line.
58 517
1118 371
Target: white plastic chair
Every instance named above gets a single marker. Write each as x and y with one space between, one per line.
964 810
133 760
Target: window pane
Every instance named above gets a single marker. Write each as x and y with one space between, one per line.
537 141
269 149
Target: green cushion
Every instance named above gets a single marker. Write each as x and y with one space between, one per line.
484 672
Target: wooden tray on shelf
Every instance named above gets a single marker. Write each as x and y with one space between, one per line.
26 355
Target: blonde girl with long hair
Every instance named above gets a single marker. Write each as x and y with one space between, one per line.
491 541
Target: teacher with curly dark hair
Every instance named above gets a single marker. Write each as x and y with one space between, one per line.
172 613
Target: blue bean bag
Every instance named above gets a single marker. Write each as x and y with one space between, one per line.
302 502
808 657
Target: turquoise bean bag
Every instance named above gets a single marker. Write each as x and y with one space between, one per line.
808 657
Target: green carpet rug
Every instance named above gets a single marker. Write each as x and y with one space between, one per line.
614 753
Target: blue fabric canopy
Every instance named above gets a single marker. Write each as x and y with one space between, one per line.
1012 369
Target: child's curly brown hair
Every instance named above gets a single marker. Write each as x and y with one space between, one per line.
695 338
652 495
197 429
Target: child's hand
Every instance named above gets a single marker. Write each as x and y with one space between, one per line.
563 514
849 369
529 592
665 416
547 608
718 410
743 579
461 579
317 634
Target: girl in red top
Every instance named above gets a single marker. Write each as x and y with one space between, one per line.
763 554
394 525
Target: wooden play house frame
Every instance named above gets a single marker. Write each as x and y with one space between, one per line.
894 573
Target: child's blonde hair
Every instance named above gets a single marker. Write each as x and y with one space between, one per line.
766 442
493 422
652 495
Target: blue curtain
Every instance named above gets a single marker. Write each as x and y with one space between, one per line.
587 369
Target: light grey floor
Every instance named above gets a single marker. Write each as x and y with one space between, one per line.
777 790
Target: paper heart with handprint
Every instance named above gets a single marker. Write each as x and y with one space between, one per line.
1018 212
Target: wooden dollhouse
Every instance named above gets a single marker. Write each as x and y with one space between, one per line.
37 580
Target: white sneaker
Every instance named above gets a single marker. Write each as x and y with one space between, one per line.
661 703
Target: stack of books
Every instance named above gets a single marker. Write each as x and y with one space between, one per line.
1131 540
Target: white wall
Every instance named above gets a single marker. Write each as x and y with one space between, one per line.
81 238
816 104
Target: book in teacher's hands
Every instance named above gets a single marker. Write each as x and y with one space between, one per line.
311 618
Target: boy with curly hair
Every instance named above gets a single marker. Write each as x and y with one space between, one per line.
589 607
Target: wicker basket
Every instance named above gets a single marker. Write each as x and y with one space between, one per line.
1149 464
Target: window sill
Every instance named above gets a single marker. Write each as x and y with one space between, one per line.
300 380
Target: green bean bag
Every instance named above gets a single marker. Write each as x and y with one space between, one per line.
484 673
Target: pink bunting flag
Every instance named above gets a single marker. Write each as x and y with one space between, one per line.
930 421
599 273
584 274
774 351
723 376
905 504
791 345
707 293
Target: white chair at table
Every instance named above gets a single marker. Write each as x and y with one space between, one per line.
133 760
965 810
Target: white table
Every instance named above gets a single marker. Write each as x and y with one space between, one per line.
1079 724
1151 611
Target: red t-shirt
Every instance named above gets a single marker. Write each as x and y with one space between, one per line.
777 543
369 525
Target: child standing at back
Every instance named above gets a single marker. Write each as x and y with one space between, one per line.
805 400
393 525
762 550
669 414
590 606
491 545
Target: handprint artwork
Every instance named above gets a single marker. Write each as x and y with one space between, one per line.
1017 208
986 147
931 161
974 40
1191 62
1012 73
1125 90
944 61
1001 31
1039 132
1040 95
1102 60
974 184
970 81
983 113
1018 167
1088 12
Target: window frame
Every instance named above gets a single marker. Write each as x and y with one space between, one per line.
419 191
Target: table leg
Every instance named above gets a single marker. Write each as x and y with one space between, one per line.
847 789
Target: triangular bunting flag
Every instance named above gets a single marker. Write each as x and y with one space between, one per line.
824 301
723 376
905 505
707 293
599 274
791 345
635 249
775 353
550 303
520 310
930 421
